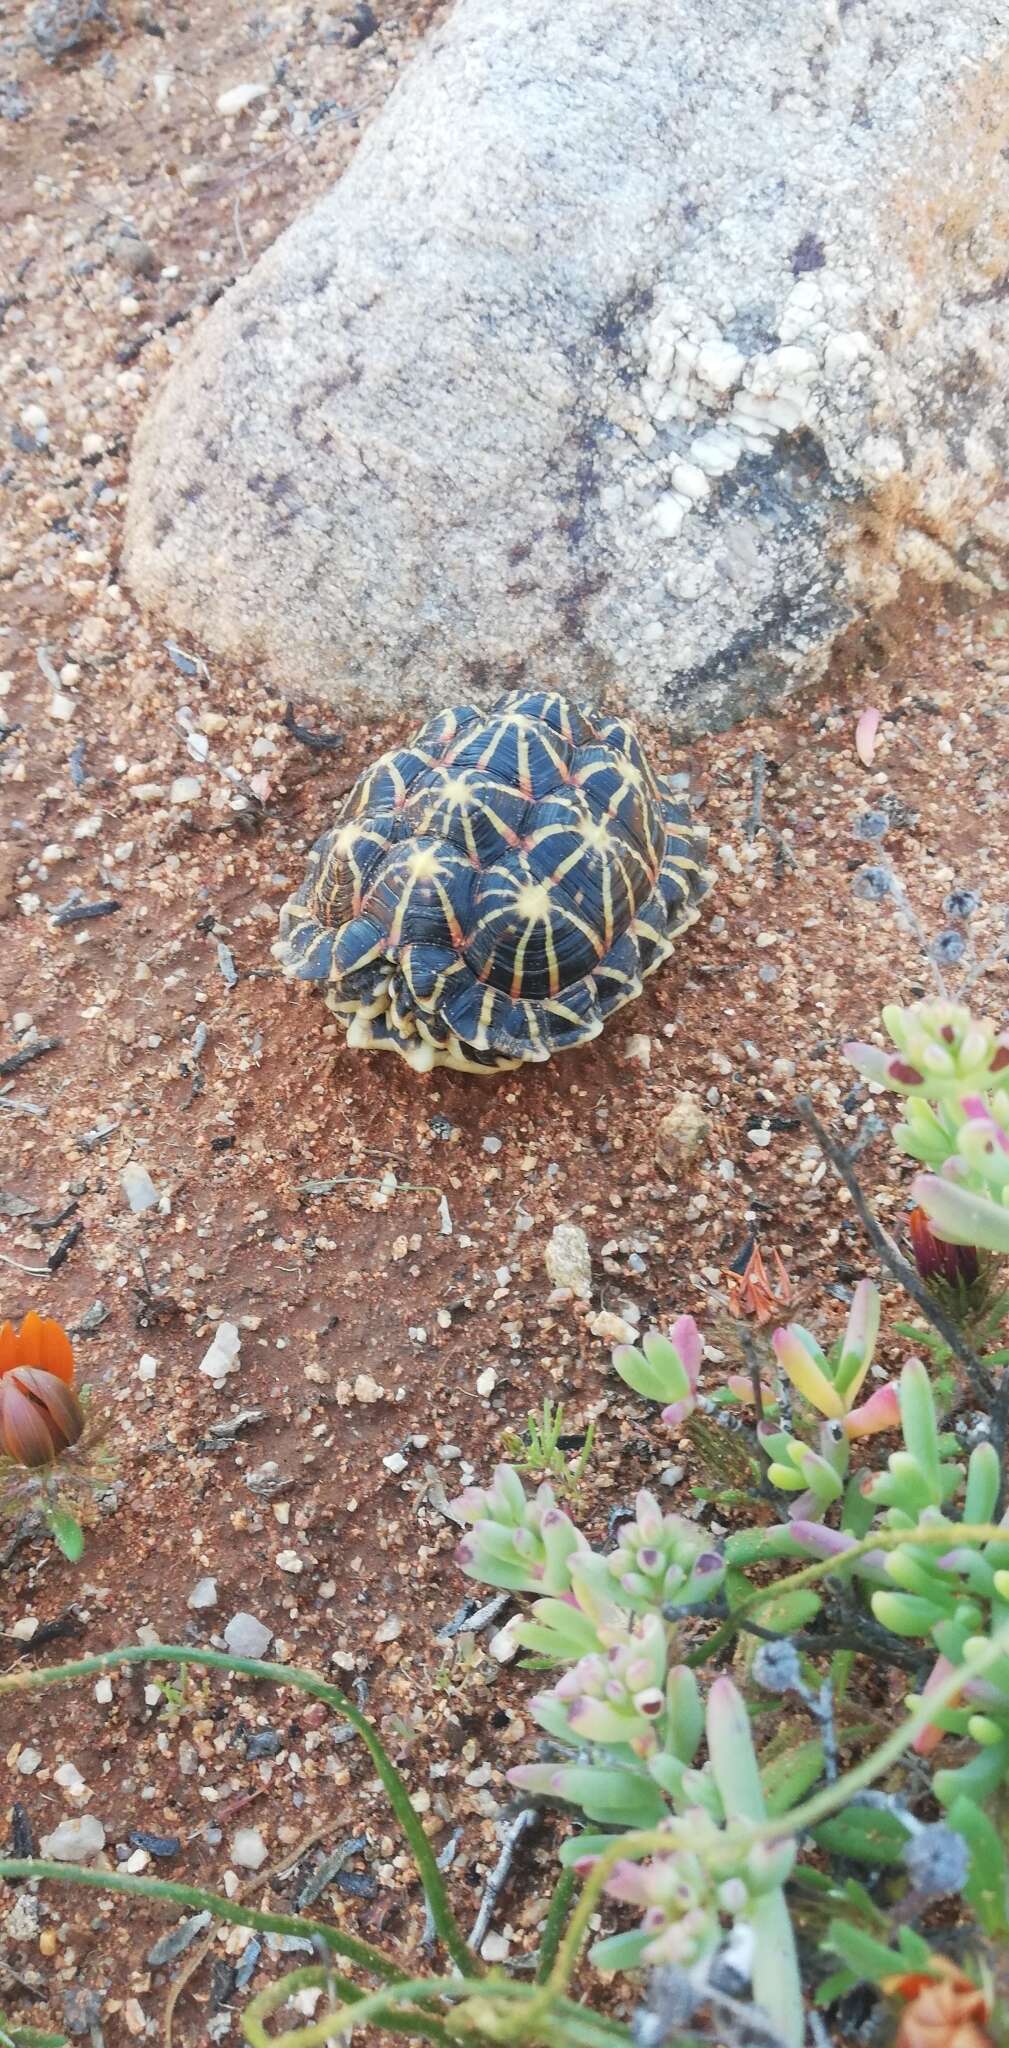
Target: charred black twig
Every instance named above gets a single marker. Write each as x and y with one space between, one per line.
16 1060
62 1251
316 742
83 913
994 1397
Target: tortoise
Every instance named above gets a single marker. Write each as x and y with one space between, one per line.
494 890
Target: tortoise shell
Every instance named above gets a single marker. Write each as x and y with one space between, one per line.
493 891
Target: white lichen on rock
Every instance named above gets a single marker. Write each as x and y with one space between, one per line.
634 345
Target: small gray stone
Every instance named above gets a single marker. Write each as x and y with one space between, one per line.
204 1594
247 1637
13 105
76 1840
134 256
138 1188
58 26
248 1849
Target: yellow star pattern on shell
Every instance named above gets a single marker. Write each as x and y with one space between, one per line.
495 890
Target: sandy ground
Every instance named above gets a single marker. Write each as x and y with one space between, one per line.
378 1240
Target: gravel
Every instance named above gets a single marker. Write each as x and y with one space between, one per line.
77 1840
247 1637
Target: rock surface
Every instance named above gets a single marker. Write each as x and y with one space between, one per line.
638 347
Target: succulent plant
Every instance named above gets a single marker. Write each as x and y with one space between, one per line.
714 1871
660 1561
665 1369
830 1383
952 1069
522 1545
942 1051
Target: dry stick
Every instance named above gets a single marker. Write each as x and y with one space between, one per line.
749 1351
994 1395
758 780
202 1949
528 1817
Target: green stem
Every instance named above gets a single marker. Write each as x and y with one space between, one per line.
821 1568
560 1904
314 1976
303 1681
569 2023
374 2009
29 2037
238 1913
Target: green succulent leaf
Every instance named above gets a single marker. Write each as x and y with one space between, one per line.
870 1960
757 1546
620 1951
864 1835
609 1792
786 1612
787 1778
577 1846
987 1887
67 1533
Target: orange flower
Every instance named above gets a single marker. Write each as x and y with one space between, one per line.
40 1415
751 1292
943 2011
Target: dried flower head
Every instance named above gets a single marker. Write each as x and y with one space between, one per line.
753 1293
40 1414
947 2010
937 1260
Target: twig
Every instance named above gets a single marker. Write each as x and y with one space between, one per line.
16 1060
758 775
66 1244
824 1714
756 823
444 1860
473 1618
895 1262
329 1868
83 913
316 742
239 237
19 1105
818 2029
193 1961
528 1817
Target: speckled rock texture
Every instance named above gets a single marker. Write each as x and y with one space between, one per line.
640 349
